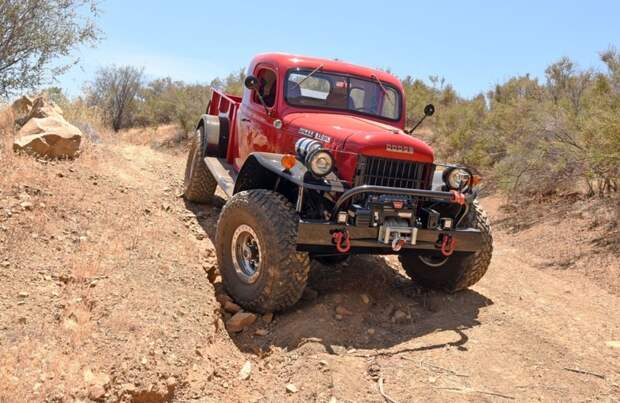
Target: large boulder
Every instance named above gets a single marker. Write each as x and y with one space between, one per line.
22 106
51 137
26 108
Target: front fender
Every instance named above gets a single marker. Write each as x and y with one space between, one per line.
261 171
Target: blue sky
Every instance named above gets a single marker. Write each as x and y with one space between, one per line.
473 44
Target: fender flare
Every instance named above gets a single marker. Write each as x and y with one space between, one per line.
216 131
260 170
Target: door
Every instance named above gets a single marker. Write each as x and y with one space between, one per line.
256 131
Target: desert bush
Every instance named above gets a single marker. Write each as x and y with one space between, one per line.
232 84
164 101
115 92
533 138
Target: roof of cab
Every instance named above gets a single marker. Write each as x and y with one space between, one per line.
287 61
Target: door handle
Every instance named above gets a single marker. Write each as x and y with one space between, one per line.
245 120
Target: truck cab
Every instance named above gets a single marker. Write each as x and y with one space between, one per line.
324 143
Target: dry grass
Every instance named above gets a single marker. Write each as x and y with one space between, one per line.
104 267
161 137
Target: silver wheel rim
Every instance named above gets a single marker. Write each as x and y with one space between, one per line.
245 250
433 261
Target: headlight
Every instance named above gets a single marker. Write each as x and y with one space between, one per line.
320 162
457 178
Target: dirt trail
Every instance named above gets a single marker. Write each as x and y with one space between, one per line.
114 304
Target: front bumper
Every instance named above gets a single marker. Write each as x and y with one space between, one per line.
316 237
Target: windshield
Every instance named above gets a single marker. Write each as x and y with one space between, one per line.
320 89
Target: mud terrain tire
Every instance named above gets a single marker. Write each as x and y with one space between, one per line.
462 270
199 184
260 225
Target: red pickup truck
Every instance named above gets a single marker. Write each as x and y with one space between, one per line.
317 165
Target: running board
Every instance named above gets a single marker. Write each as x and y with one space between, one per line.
223 173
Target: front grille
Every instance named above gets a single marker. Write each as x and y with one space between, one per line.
393 173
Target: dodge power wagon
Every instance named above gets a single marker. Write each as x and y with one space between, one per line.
317 164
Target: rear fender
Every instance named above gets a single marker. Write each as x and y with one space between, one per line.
216 129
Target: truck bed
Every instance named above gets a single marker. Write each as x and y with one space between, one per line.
226 106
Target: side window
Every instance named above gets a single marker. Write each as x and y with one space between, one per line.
268 87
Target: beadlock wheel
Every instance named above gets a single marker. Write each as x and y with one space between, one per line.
245 250
256 251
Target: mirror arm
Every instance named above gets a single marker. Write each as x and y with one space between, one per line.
416 125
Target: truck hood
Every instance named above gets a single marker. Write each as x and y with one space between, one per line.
358 135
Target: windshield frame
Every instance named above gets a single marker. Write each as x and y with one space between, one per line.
308 70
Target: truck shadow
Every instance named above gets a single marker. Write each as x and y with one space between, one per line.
366 304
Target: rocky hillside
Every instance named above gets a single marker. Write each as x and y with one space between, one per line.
111 293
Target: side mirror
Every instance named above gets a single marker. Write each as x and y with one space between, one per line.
429 110
251 83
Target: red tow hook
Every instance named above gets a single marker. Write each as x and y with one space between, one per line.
343 243
447 245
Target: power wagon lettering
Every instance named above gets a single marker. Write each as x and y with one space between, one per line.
315 135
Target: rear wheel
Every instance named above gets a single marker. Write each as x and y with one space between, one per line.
199 183
456 272
256 251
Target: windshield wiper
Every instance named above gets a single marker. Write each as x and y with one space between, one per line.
309 75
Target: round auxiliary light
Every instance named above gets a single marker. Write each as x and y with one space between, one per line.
320 162
457 178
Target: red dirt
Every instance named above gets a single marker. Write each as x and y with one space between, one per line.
106 296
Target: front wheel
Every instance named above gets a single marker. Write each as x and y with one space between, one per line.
256 251
456 272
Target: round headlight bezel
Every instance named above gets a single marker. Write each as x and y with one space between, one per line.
314 157
457 178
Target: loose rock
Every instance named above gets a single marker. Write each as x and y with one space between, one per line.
240 321
246 371
96 393
399 316
261 332
268 317
341 310
291 388
231 307
223 298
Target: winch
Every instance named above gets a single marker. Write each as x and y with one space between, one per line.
398 232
